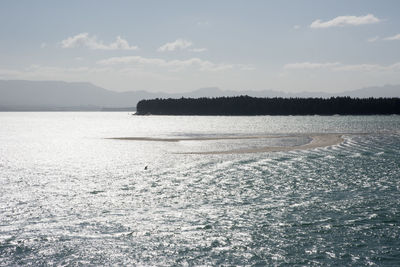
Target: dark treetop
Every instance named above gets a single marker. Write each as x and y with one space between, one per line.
246 105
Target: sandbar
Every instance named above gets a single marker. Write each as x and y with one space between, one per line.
317 140
320 140
194 138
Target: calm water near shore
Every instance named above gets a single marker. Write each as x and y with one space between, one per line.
70 196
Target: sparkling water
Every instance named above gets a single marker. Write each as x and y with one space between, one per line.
70 196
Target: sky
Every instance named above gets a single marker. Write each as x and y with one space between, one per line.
179 46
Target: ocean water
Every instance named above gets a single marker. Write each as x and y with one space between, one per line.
70 196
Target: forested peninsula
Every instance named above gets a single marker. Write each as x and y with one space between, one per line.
246 105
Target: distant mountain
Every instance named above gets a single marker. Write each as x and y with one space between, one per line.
376 91
54 95
382 91
57 95
216 92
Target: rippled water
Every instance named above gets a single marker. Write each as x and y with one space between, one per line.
68 196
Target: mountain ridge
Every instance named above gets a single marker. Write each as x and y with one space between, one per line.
60 95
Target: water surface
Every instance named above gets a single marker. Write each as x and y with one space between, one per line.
70 196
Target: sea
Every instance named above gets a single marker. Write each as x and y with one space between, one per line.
70 195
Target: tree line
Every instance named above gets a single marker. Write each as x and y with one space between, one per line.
246 105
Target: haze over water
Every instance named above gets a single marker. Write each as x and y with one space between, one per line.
69 196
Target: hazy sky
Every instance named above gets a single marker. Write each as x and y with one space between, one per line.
176 46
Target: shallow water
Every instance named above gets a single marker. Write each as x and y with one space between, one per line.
68 196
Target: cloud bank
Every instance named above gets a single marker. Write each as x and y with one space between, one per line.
342 21
336 66
310 65
203 65
91 42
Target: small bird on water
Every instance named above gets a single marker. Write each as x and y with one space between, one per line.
145 167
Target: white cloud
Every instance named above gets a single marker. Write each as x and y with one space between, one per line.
50 72
369 67
198 50
91 42
43 45
392 38
345 21
203 65
179 44
336 66
373 39
203 23
310 65
245 67
9 73
131 59
296 27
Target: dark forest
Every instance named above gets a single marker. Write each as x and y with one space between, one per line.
246 105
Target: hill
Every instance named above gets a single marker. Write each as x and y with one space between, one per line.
21 95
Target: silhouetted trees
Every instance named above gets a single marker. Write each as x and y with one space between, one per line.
246 105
